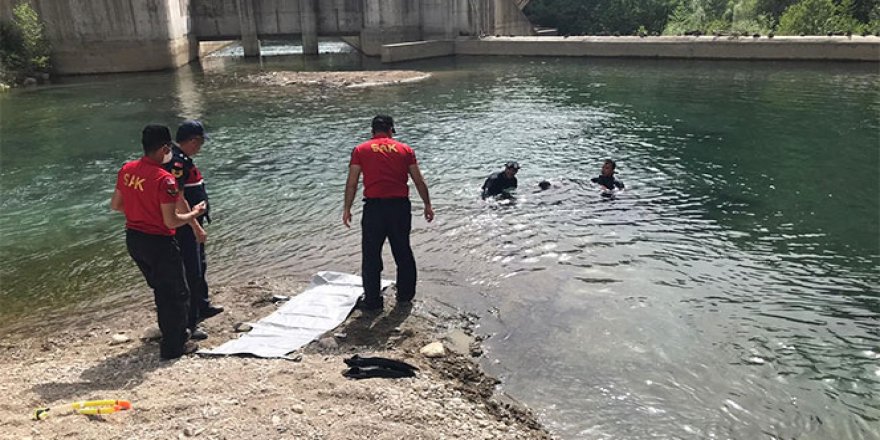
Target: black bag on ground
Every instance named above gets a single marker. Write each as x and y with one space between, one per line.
369 367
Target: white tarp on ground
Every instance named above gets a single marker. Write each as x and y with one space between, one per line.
321 308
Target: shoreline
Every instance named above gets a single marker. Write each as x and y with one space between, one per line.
100 354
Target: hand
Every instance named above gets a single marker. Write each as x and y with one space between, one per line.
201 207
346 218
201 235
429 213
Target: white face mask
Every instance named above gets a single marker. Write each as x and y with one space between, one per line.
167 158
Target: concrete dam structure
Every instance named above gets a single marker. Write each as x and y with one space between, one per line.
143 35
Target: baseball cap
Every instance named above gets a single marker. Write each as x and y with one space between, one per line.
189 129
512 164
383 123
155 136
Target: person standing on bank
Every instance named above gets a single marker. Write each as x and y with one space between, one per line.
191 237
387 165
501 183
149 197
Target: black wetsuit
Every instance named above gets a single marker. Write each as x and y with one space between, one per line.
608 182
498 183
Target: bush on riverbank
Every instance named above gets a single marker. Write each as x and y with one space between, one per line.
24 48
676 17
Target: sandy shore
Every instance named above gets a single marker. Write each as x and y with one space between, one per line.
81 358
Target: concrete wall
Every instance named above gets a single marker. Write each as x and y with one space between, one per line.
389 21
115 36
89 36
219 19
510 20
417 50
779 48
376 22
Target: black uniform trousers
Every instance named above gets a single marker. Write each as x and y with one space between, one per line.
195 263
158 258
391 219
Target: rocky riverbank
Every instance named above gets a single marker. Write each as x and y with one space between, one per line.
102 354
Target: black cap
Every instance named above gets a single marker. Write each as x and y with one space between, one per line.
512 165
155 136
383 124
190 129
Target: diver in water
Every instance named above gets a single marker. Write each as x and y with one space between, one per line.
606 180
501 183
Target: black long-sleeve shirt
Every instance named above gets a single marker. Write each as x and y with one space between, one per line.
608 182
497 183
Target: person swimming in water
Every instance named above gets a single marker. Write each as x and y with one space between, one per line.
606 180
501 183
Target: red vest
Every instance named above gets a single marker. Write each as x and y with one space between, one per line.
385 164
145 186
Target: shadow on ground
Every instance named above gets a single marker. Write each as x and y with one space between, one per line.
123 371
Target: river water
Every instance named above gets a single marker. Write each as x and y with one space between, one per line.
730 292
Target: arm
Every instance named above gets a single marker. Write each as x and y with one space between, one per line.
422 188
351 184
116 202
173 219
618 184
489 186
198 230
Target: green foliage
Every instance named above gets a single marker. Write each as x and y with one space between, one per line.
673 17
729 16
746 18
598 17
23 45
818 17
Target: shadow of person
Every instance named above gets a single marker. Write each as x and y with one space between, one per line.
373 330
120 372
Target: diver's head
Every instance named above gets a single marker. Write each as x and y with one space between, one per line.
608 168
510 169
544 185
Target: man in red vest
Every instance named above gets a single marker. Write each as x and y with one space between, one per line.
149 197
387 165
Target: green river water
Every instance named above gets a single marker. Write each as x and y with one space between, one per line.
730 292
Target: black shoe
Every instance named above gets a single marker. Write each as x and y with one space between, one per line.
210 311
188 348
197 334
369 306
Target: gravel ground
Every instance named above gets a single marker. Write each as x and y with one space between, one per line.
100 354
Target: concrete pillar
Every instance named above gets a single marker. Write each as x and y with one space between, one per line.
308 12
248 23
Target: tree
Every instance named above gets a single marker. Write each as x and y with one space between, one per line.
818 17
36 46
596 17
24 49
